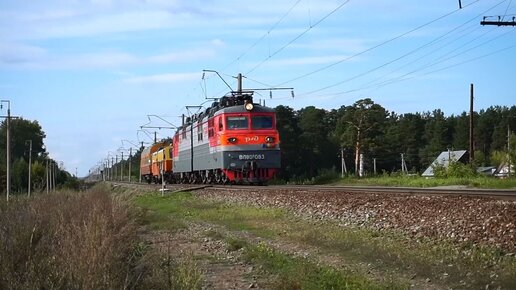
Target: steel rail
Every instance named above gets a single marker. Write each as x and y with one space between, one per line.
496 193
506 194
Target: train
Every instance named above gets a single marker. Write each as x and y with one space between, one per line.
233 141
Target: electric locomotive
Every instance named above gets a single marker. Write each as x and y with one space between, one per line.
232 141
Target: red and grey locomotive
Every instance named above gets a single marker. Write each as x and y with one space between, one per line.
234 140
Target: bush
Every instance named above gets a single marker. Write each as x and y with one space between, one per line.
326 176
67 241
454 169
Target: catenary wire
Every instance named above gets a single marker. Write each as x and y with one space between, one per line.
376 84
263 36
506 9
374 47
407 76
299 36
398 58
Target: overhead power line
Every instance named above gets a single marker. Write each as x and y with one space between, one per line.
298 36
376 46
263 36
410 75
440 60
400 57
454 38
506 9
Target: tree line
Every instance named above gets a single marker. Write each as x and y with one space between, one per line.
22 131
312 139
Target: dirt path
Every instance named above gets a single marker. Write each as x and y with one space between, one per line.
220 268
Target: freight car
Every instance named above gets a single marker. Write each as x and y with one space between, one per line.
232 141
146 168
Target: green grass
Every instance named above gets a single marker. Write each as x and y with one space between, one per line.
289 272
390 253
417 181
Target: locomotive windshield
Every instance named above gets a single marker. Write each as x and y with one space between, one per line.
236 122
262 122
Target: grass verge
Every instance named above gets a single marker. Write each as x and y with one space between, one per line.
388 256
87 240
68 240
418 181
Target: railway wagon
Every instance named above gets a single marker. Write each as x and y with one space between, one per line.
162 164
146 168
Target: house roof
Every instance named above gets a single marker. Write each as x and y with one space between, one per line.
444 160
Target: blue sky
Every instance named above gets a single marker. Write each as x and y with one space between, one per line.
92 71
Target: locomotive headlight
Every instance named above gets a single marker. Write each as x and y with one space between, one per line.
249 106
232 140
269 139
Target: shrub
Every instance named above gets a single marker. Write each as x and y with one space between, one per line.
326 176
68 241
454 169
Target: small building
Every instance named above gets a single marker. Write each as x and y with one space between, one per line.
444 160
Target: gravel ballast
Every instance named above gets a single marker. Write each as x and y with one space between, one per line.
481 221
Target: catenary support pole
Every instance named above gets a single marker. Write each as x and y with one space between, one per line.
471 138
122 167
30 168
130 161
47 175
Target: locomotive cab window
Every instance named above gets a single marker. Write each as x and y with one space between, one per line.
219 120
236 122
262 122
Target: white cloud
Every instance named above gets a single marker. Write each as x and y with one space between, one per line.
164 78
31 57
82 61
218 43
186 55
107 24
17 53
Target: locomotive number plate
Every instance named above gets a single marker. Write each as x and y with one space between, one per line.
251 156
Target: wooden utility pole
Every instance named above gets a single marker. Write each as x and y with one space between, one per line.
509 150
471 139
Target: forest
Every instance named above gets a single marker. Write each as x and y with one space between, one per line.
312 138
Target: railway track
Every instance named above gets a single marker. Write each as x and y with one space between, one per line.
479 216
505 194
